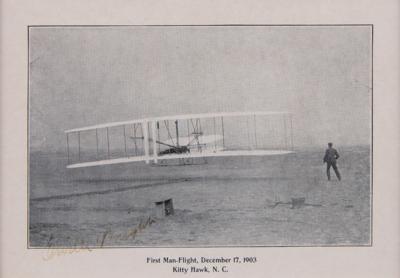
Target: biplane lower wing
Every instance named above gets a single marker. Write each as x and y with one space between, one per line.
180 156
181 137
107 162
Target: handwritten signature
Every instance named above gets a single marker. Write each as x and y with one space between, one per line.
129 234
101 241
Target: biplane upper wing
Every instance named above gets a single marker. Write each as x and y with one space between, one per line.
179 137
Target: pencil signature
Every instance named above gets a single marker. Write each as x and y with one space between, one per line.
109 235
129 234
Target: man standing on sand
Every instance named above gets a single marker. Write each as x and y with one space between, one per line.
330 157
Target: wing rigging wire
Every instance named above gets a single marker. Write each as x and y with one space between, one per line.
166 123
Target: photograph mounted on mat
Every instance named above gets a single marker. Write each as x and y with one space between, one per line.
199 136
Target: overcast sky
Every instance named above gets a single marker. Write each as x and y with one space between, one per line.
85 76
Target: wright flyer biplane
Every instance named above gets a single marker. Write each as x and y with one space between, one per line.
181 137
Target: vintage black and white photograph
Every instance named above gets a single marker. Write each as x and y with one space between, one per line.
199 136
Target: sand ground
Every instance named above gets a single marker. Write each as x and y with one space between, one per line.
228 201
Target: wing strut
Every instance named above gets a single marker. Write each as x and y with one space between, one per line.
97 144
125 140
108 143
154 131
158 135
291 133
67 148
134 135
223 132
255 130
215 135
188 131
177 133
79 145
285 130
146 142
248 131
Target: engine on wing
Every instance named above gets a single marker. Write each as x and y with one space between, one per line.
181 149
